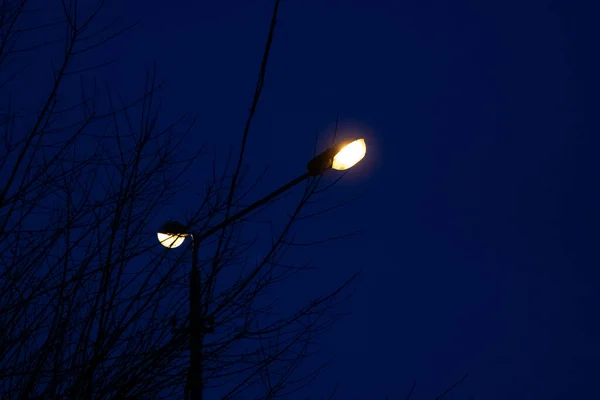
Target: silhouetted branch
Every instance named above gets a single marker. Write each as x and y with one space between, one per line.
91 306
412 389
445 392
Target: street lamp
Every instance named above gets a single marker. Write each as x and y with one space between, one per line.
172 234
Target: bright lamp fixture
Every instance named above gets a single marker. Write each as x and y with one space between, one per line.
349 155
171 240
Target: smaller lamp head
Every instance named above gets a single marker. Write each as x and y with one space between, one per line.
172 234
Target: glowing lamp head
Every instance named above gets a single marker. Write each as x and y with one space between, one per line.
338 157
349 155
169 240
172 234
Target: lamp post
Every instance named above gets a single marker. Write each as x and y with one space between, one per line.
172 234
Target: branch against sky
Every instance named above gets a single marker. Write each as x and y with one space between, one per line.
442 394
79 185
91 306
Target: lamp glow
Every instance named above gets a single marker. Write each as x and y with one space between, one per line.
351 154
171 240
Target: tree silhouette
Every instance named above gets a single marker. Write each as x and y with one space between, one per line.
90 305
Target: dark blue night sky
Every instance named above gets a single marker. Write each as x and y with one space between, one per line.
477 202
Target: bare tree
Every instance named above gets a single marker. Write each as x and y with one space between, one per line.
90 305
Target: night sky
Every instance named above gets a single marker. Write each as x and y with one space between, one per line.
477 202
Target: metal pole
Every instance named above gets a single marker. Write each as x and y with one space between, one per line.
194 380
195 384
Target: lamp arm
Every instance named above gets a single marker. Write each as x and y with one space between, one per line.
251 207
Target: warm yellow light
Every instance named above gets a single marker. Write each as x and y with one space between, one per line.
171 240
350 155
